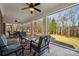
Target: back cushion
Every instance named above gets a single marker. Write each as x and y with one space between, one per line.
23 34
4 39
45 40
2 43
40 41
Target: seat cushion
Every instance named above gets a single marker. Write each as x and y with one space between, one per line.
13 46
11 50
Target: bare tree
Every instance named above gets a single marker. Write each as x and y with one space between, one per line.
63 21
59 24
72 18
78 26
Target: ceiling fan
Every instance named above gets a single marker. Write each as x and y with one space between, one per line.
16 21
32 7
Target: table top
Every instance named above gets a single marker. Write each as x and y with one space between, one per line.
33 39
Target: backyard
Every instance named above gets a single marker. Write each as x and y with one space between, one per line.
68 40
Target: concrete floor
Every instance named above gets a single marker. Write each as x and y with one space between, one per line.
59 51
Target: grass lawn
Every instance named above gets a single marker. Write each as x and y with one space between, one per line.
68 40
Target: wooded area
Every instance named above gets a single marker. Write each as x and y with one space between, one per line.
67 25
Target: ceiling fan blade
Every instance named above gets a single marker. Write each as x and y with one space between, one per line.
25 8
16 21
27 3
37 9
36 4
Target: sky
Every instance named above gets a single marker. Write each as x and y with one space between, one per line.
75 9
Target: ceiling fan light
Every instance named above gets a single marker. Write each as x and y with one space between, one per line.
31 9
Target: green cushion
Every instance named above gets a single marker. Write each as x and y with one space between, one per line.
10 50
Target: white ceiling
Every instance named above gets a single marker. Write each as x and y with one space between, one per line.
12 11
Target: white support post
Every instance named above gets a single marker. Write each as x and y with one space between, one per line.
32 29
46 27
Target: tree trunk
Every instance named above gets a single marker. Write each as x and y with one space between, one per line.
68 31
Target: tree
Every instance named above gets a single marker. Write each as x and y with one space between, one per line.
35 26
72 18
78 19
52 26
78 25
